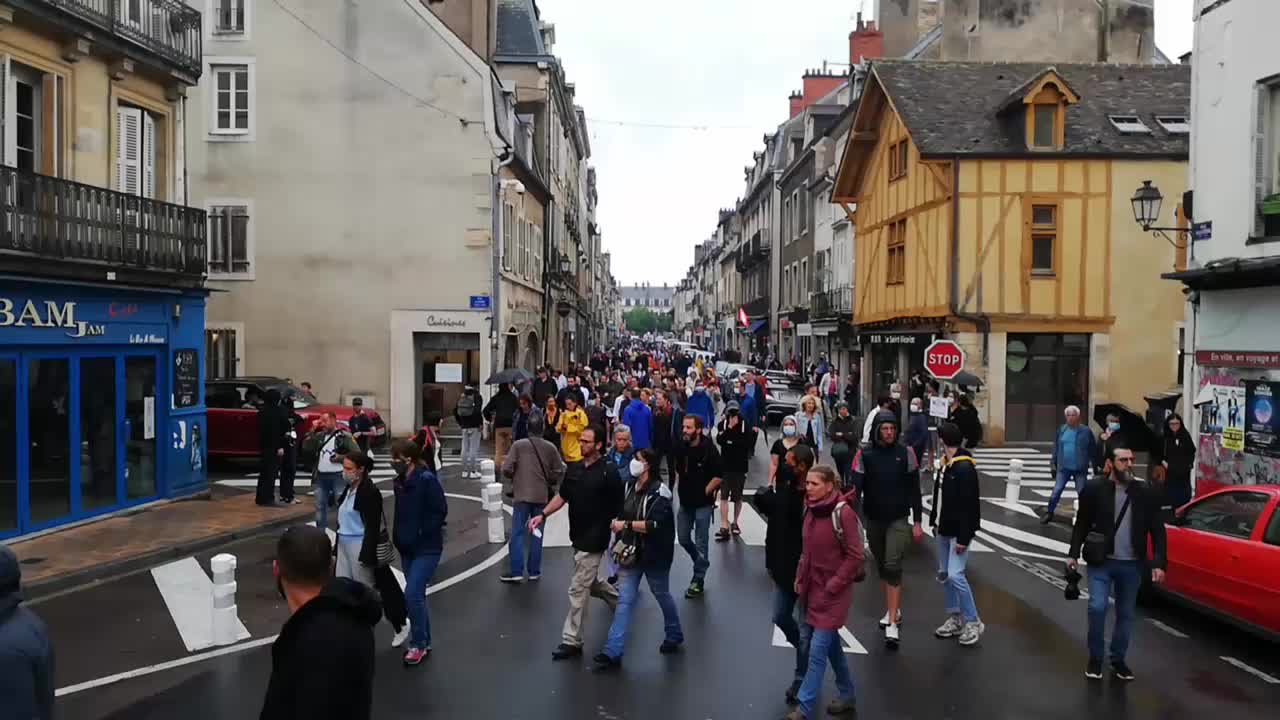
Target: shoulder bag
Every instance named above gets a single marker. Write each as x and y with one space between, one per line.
1094 550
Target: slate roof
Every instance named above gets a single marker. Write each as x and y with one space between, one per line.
953 108
518 32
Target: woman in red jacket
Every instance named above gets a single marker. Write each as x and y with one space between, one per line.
829 565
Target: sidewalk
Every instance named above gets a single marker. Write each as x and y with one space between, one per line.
120 544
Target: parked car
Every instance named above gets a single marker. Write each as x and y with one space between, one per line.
1224 556
233 418
780 401
795 381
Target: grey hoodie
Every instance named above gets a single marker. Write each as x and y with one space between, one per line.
26 656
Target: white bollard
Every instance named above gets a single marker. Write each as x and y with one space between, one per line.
491 501
488 472
1013 485
226 619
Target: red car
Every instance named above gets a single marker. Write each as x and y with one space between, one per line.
233 418
1224 556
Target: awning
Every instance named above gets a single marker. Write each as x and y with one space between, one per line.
757 326
1231 274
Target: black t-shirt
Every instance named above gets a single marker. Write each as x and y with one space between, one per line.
361 423
594 493
696 467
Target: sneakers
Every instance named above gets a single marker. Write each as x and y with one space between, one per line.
722 535
886 622
1093 670
1121 670
669 648
793 693
401 636
951 628
733 528
1046 518
511 579
972 633
415 656
841 707
695 590
564 652
604 663
891 636
534 577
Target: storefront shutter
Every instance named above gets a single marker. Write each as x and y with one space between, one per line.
128 150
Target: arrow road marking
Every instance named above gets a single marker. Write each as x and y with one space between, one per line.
188 593
849 643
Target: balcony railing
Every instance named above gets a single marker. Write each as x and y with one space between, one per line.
44 217
758 307
834 303
168 28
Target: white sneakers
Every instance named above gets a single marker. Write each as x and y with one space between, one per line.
891 636
972 633
886 622
401 636
951 628
968 632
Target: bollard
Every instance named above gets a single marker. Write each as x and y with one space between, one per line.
226 620
491 501
1013 484
488 472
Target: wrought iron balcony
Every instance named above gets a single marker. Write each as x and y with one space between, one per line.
168 29
834 303
91 231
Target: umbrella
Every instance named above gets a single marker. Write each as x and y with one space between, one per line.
510 376
966 378
1133 427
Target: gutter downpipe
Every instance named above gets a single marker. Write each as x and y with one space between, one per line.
982 322
495 305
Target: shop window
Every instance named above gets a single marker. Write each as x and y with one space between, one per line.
1044 239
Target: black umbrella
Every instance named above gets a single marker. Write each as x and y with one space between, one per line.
1132 426
510 376
967 379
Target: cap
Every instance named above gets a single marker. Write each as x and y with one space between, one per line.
733 406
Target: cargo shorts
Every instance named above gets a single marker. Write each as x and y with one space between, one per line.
889 543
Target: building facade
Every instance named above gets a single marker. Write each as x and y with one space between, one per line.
102 262
1232 279
1008 230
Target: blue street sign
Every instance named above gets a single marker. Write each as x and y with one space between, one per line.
480 302
1201 230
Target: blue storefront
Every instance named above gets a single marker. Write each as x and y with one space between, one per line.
101 400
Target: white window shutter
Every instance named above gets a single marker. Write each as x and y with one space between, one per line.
8 115
1261 164
148 156
128 150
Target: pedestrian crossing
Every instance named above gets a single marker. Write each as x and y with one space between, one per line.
303 480
188 594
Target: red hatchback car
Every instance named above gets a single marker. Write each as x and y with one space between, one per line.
233 420
1224 556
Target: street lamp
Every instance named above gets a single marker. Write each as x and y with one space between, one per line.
564 264
1146 203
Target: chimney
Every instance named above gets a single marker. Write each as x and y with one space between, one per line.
817 83
797 103
866 42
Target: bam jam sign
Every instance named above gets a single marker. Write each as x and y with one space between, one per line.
944 359
50 315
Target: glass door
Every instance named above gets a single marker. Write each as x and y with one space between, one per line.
140 427
8 445
99 436
48 384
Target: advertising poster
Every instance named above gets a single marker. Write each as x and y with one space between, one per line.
1224 414
1261 423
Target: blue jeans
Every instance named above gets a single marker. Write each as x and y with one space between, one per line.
824 647
470 450
326 487
1124 577
629 593
418 570
693 527
521 512
956 590
1074 476
784 616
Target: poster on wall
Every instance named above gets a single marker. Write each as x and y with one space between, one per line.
1231 406
1261 424
448 372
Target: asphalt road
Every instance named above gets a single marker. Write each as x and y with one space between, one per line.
121 656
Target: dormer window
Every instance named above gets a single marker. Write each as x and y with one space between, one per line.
1043 99
1045 126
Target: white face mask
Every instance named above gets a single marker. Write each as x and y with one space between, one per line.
636 467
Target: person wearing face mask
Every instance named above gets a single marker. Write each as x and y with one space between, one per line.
703 406
790 438
917 435
420 516
647 523
736 443
1111 438
322 662
1117 515
361 527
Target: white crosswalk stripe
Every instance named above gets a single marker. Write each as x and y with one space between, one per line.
188 594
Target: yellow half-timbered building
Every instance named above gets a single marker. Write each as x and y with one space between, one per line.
991 203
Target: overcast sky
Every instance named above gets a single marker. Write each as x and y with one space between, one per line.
721 70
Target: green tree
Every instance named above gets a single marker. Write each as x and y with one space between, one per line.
642 320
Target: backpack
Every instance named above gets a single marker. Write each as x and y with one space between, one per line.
467 405
839 528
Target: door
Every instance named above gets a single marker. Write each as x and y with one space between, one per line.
1255 564
140 421
8 445
1043 375
1209 547
49 439
99 425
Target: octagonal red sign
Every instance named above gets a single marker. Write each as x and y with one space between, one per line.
944 359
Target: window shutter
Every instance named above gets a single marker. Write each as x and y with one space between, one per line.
128 150
1261 166
8 115
217 240
148 155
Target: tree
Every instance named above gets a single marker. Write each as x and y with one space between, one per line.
642 320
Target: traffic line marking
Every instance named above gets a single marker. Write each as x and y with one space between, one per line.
1018 507
1251 670
753 526
1168 628
188 593
849 643
986 452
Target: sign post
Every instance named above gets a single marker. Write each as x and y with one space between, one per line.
944 359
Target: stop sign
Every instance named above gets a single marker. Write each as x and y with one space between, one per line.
943 359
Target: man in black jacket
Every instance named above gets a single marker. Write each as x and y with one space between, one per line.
322 661
1124 512
543 388
955 516
783 543
274 426
501 411
887 476
736 441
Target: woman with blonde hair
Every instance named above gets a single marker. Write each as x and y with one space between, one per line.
809 424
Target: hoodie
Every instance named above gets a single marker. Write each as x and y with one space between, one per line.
957 511
887 476
701 404
639 418
26 655
322 661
